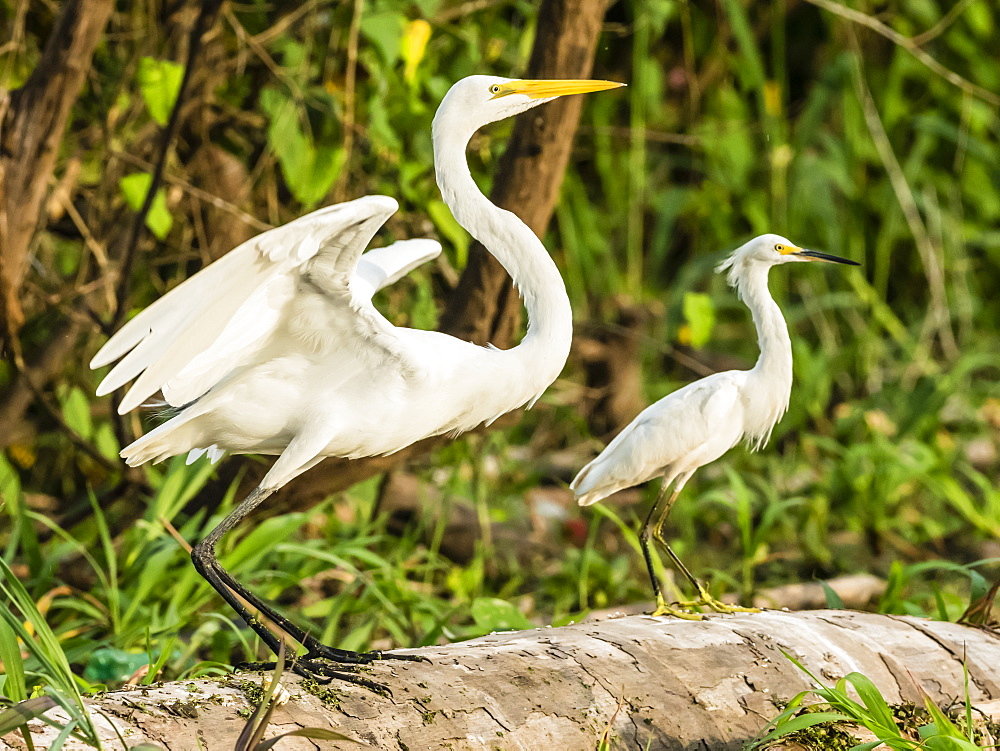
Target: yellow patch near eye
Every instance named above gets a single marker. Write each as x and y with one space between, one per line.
786 250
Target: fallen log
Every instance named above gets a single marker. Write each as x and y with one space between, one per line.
653 683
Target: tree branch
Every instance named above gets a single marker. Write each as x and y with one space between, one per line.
911 46
32 121
206 17
652 683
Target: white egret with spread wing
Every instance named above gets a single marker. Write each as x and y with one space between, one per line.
276 348
700 422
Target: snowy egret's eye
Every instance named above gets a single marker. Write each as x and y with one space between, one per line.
780 248
495 88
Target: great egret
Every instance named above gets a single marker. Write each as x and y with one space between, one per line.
700 422
274 349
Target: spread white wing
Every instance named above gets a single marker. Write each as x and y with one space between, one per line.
223 316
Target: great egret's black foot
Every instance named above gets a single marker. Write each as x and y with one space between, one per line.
323 673
347 657
264 667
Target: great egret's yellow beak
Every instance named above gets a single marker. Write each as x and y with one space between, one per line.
552 88
815 255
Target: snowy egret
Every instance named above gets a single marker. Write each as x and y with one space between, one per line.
276 348
700 422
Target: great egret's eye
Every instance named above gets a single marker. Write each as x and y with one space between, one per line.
495 88
779 247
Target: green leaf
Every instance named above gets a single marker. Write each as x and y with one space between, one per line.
159 82
14 687
309 168
76 412
699 313
493 614
833 600
106 441
941 729
803 721
446 224
108 664
134 188
385 32
10 482
978 586
872 698
317 733
947 743
23 712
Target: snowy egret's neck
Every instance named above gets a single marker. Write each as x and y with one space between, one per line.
773 370
772 334
512 243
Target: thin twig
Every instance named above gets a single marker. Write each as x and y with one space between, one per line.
284 23
463 10
651 136
910 46
202 195
96 249
939 315
946 20
258 49
206 16
41 399
350 88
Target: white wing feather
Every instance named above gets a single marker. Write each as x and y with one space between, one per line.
189 339
380 267
669 432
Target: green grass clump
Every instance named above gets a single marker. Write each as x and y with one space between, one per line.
827 725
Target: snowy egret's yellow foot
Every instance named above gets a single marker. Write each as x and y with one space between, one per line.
662 608
705 600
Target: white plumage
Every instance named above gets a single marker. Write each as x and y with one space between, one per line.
276 348
700 422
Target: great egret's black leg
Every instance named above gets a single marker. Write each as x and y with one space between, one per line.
239 597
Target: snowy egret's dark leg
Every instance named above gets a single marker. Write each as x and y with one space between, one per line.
239 598
704 597
662 608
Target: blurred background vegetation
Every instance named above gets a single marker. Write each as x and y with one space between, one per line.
866 129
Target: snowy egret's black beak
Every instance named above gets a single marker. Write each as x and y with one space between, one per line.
815 255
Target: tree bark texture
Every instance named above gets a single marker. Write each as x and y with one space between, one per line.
484 307
32 121
653 683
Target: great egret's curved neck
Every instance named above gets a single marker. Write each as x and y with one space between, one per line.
775 360
512 243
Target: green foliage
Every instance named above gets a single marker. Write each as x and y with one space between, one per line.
871 711
42 644
159 82
134 188
308 165
699 315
